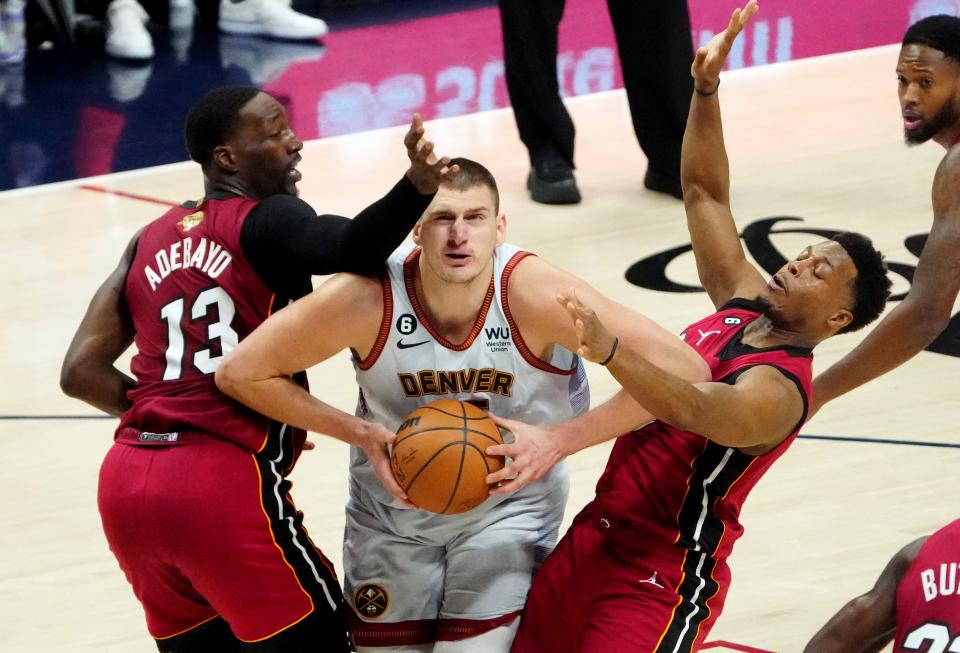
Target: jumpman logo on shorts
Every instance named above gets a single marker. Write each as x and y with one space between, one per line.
652 580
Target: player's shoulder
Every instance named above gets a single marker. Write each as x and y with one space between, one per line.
360 291
530 279
282 200
528 270
281 206
950 164
902 560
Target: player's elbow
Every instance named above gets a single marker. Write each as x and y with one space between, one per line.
228 377
71 377
76 372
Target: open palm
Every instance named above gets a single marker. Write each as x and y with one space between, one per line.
710 58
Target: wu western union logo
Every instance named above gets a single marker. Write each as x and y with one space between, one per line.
442 382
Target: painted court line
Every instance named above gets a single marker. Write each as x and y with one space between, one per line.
831 438
122 193
45 417
844 438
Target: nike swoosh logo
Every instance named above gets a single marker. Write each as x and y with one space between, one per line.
404 345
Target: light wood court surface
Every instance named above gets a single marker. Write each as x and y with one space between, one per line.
820 139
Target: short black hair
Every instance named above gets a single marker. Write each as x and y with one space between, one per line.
941 32
213 119
473 174
871 286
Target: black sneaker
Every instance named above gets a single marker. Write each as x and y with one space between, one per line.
552 182
662 182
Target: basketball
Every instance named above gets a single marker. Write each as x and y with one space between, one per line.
438 456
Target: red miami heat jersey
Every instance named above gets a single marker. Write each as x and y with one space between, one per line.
679 487
193 296
928 597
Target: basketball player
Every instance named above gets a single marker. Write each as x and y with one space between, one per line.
193 495
928 73
915 603
643 567
465 316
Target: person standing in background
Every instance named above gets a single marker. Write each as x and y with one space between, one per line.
656 50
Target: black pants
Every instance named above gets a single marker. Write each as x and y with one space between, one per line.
656 50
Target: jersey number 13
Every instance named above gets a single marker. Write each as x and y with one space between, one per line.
220 335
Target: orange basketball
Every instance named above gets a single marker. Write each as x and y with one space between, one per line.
438 456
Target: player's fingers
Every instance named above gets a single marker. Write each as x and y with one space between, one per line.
506 487
505 423
512 484
424 150
450 171
508 473
385 472
414 134
699 60
440 164
734 23
309 445
507 450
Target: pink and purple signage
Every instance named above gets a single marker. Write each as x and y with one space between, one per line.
452 64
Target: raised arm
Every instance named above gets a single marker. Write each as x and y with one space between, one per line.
755 413
925 312
258 372
543 323
867 623
88 372
705 177
377 230
284 238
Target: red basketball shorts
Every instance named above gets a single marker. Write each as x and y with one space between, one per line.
588 599
208 529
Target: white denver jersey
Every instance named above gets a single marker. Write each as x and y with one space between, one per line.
411 365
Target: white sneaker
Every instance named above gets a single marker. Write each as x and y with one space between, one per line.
127 35
268 18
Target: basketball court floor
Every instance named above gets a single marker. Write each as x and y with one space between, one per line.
818 140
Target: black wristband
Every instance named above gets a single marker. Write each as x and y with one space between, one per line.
704 93
613 350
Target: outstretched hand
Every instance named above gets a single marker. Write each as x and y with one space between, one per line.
595 342
426 171
533 452
375 440
710 58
